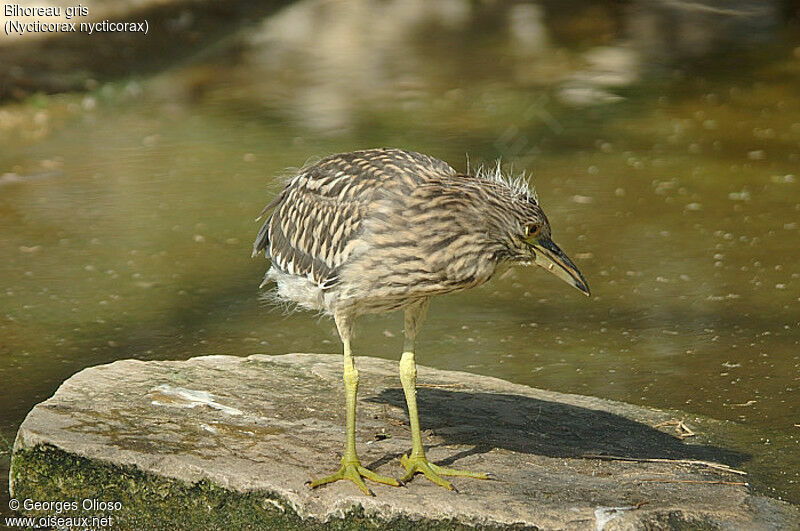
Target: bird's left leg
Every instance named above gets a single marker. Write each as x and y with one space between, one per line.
416 462
351 468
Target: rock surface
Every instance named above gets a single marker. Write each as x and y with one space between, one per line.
228 442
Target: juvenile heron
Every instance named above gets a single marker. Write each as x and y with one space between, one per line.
385 229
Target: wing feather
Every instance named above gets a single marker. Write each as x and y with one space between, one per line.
317 218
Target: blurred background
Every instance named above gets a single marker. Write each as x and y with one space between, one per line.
663 137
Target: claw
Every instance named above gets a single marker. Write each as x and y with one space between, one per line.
355 472
414 465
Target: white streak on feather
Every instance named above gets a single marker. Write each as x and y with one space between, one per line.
517 184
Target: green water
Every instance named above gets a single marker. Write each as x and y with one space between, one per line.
667 162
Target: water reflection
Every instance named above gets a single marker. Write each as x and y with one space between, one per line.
341 58
666 155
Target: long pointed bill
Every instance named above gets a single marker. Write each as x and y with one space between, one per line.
553 259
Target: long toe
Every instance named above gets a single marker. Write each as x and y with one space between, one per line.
414 465
444 471
355 473
377 478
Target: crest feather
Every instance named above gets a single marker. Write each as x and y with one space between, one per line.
518 184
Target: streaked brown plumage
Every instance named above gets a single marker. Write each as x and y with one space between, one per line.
385 229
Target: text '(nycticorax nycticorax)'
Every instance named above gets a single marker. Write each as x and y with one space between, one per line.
386 229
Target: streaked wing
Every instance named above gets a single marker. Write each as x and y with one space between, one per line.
317 218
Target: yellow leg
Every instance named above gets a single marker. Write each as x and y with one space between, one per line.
416 462
351 468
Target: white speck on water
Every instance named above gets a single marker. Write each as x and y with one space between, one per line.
783 179
757 154
89 103
722 298
582 199
133 89
150 140
694 206
764 133
744 195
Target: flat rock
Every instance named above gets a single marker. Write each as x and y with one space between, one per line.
229 442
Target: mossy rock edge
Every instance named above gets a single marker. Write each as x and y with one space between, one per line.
152 502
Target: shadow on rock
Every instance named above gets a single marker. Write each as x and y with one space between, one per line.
523 424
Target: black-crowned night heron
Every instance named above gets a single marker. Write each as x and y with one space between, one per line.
386 229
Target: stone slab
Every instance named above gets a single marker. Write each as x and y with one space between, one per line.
229 442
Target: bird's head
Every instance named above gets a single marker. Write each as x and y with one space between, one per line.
528 242
521 227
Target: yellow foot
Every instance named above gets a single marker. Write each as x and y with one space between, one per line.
354 472
433 472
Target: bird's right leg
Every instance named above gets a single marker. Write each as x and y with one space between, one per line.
351 468
416 462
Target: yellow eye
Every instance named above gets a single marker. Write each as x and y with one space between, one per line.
532 231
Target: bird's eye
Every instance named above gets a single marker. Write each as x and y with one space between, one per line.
532 231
